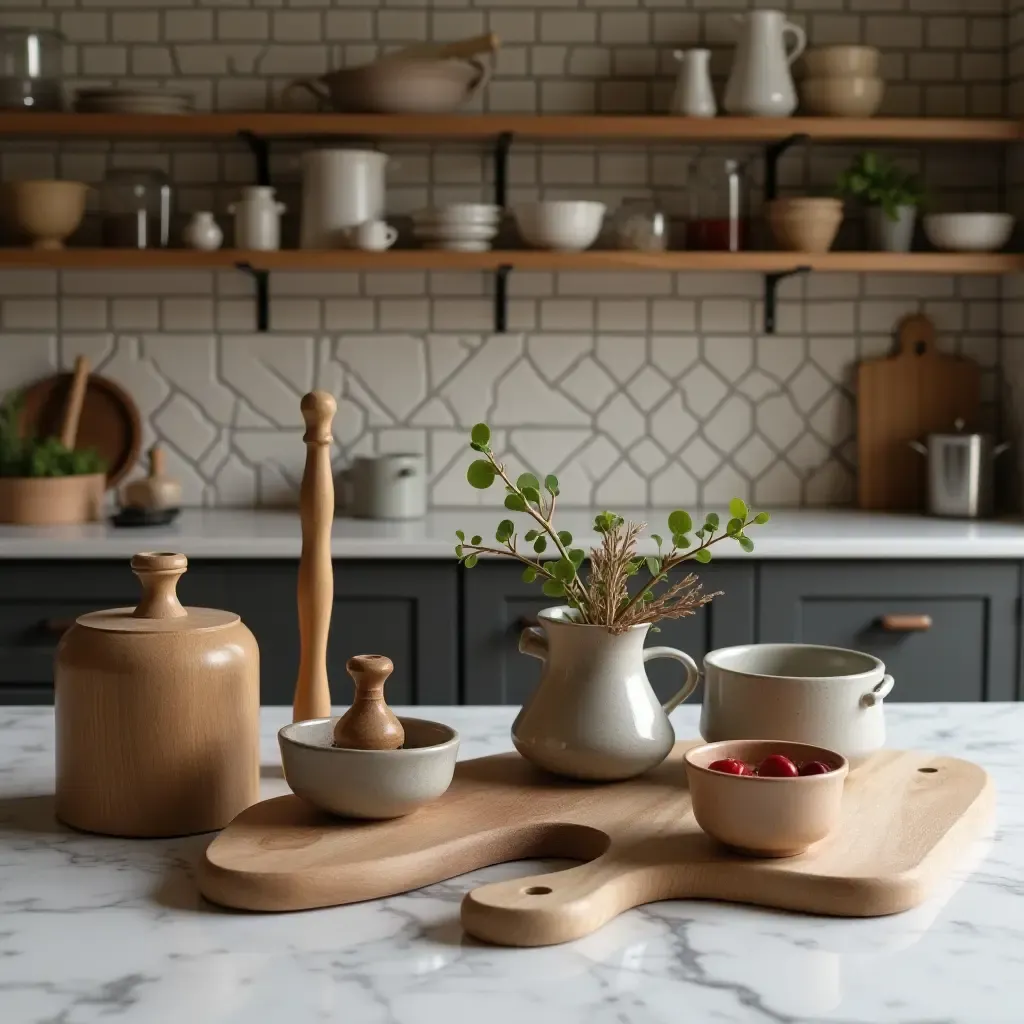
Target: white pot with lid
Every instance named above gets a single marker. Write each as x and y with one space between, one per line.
340 189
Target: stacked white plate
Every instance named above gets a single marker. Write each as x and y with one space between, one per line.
132 101
459 227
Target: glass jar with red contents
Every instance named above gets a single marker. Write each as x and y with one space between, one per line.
719 218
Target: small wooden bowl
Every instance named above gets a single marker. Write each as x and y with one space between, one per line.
372 784
765 817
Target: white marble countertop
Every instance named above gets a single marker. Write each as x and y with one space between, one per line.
106 930
264 533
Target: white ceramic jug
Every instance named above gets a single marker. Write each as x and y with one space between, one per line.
594 715
257 219
760 83
340 188
694 96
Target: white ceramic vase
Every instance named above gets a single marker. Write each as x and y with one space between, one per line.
760 83
594 715
826 696
693 96
203 232
257 219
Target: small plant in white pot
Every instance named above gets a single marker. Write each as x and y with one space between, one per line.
892 196
594 714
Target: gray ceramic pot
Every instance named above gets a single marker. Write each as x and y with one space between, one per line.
887 235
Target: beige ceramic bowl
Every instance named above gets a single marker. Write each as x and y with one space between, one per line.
841 62
45 212
804 223
368 783
854 96
766 817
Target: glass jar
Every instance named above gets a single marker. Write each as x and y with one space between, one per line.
136 209
719 206
31 66
641 225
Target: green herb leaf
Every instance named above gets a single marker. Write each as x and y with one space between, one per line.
551 484
553 588
738 509
653 565
711 521
648 595
703 556
734 527
657 540
480 474
475 541
481 434
761 518
470 561
460 535
680 521
577 555
564 569
681 541
505 530
746 543
540 545
529 574
530 535
515 503
527 480
458 550
477 447
531 494
565 537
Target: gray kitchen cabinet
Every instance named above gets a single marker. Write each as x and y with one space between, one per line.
39 600
406 610
969 652
497 604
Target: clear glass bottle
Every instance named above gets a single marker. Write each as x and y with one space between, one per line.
719 206
31 67
136 209
641 225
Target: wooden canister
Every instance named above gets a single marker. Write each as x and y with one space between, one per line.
157 714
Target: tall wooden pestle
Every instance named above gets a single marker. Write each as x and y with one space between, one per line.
369 724
316 574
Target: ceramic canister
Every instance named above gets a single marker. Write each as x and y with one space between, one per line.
826 696
387 487
157 714
340 188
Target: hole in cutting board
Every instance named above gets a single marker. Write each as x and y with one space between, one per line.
537 890
928 771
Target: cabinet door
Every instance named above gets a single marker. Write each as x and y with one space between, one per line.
498 604
967 653
406 610
39 600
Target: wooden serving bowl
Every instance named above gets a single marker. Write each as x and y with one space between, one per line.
52 501
46 212
765 817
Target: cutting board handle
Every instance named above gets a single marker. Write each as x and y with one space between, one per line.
915 337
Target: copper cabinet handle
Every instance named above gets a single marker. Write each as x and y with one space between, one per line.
57 626
906 623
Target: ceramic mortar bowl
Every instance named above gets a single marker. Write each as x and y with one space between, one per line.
46 212
765 817
368 783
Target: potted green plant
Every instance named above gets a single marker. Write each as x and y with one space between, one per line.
892 196
594 714
43 483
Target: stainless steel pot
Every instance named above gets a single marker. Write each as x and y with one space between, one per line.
960 472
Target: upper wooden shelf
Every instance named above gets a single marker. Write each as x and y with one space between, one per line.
595 259
554 127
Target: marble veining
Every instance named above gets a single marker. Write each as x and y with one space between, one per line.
104 930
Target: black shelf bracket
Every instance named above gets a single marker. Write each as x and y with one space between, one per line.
772 153
501 298
261 154
501 149
261 281
771 284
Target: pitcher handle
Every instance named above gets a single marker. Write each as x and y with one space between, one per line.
883 689
533 642
483 76
801 40
692 673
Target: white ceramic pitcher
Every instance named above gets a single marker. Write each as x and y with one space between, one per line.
594 715
760 83
693 96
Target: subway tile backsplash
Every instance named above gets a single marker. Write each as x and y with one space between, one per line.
647 388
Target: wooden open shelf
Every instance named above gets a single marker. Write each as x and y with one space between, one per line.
420 259
553 127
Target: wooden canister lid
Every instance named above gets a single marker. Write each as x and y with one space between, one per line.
159 611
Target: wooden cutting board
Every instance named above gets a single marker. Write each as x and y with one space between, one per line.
904 397
907 818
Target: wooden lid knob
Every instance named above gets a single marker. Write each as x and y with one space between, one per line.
369 724
318 409
158 572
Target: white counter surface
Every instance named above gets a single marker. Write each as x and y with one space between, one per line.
98 931
239 533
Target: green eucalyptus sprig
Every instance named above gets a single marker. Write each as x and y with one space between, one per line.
616 558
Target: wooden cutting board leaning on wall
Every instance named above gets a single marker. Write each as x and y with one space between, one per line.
906 396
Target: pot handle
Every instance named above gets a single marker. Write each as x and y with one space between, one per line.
484 72
533 642
869 700
311 86
692 672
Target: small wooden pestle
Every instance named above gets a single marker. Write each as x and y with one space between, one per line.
73 403
316 573
369 724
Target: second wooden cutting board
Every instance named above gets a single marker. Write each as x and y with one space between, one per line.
914 392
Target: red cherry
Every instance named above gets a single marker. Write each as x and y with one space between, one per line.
815 768
777 766
731 766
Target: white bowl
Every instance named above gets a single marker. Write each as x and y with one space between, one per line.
969 232
566 225
460 232
459 213
456 245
